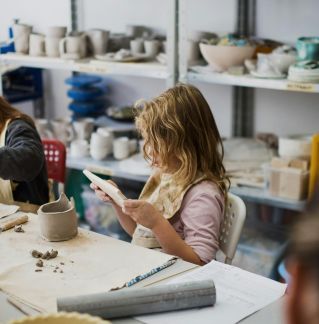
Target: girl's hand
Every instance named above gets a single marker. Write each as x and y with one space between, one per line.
101 194
142 212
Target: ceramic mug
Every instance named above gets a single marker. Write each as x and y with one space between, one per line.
97 41
100 140
83 127
151 47
137 46
21 33
79 148
62 130
121 148
135 31
56 31
52 46
36 45
74 46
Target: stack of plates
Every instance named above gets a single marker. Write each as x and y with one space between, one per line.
304 71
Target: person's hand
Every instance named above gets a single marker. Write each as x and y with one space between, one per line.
101 194
142 212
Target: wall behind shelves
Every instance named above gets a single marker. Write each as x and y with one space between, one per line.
284 112
289 19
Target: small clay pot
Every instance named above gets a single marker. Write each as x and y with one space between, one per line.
58 220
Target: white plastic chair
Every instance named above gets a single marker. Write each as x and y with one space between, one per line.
231 227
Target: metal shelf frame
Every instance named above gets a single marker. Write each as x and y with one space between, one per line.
176 70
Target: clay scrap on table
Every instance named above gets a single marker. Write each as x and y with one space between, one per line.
45 256
18 229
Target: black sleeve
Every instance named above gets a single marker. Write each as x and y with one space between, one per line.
22 158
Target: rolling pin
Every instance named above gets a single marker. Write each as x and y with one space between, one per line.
146 300
13 222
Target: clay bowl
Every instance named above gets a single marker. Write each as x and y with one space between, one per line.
58 220
223 57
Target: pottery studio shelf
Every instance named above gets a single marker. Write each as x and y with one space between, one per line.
250 81
141 69
111 167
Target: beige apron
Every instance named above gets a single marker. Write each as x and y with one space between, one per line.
162 192
5 185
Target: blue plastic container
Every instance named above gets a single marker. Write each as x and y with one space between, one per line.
84 94
83 80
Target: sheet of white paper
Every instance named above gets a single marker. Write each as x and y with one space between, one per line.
6 210
239 294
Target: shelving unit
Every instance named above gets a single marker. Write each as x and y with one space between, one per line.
250 81
147 69
176 69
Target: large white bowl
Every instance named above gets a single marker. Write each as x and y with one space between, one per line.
220 58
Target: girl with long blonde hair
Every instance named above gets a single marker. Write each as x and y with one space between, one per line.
182 204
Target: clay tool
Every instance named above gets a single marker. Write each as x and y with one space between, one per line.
138 301
105 186
11 223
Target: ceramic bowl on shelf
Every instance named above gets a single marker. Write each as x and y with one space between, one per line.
222 57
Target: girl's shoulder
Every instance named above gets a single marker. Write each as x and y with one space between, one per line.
205 187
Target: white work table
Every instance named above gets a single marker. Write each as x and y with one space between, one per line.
270 314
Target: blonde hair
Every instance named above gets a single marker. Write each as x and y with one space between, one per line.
179 123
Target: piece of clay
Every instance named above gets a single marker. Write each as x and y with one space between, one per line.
53 254
46 255
61 271
54 270
18 229
38 270
39 263
36 254
62 263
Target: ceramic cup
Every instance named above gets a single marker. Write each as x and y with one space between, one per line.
152 47
137 46
121 148
36 45
193 52
266 66
74 46
21 34
83 128
43 128
52 46
62 130
164 46
79 148
134 31
58 220
97 41
133 145
99 154
56 31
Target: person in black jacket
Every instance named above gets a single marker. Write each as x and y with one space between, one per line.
23 174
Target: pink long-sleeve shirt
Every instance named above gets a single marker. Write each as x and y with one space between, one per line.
198 220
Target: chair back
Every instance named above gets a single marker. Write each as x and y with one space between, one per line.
55 155
231 227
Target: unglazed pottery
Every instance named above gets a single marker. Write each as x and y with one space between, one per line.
58 220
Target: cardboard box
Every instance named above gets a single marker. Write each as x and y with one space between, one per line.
291 183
